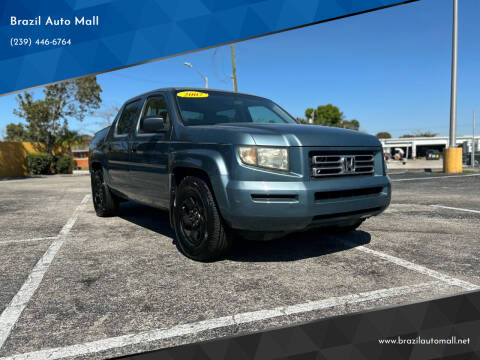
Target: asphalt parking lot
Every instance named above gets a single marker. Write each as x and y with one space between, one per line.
75 285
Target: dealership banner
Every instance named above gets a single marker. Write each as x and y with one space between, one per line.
443 328
49 41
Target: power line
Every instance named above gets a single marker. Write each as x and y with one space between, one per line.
214 66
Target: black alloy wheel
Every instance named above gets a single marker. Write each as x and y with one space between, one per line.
104 202
193 220
200 229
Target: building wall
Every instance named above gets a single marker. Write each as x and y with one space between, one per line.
82 162
13 157
438 143
81 157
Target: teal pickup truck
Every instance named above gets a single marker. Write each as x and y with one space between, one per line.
226 164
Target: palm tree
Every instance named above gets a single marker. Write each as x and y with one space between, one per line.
68 139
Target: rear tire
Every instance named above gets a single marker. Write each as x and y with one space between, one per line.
201 233
104 202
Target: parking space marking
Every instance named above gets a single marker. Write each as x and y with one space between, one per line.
418 268
217 323
454 208
12 312
436 177
28 240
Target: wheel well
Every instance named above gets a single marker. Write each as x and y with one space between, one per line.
181 172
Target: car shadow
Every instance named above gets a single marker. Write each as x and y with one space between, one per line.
150 218
296 246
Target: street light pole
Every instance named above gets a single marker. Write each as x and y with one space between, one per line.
205 79
452 161
473 140
453 92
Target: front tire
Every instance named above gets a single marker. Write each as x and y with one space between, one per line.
201 234
104 202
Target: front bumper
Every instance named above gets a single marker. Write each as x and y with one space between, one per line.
293 206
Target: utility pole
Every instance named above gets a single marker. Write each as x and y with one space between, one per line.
473 141
234 68
453 155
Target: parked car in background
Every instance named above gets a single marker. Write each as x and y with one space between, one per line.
433 155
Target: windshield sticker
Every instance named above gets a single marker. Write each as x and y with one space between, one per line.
192 94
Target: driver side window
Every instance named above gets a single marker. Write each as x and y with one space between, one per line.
155 106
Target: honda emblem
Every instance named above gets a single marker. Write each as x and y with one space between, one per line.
348 164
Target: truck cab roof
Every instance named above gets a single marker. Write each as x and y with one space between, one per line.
174 89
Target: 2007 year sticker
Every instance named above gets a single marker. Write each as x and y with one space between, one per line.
192 94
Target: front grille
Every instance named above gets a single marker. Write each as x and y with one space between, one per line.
338 194
274 197
336 164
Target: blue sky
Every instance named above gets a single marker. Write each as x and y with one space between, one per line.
389 69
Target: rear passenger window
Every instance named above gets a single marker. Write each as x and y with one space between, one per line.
128 118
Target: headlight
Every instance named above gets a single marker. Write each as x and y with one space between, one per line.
267 157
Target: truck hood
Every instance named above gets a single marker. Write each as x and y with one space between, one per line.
299 135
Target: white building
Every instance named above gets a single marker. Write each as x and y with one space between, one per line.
418 146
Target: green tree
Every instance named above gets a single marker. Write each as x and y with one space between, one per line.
426 134
330 115
419 133
69 138
351 124
47 118
384 135
327 115
16 132
301 120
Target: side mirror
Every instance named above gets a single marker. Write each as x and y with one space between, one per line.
150 125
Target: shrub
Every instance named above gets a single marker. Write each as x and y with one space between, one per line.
63 164
39 164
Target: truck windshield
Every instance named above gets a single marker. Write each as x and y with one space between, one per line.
211 107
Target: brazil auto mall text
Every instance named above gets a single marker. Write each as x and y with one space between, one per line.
51 21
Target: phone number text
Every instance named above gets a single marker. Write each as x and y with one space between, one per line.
40 42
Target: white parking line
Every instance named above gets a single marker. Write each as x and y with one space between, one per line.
418 268
27 240
435 177
212 324
12 312
459 209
